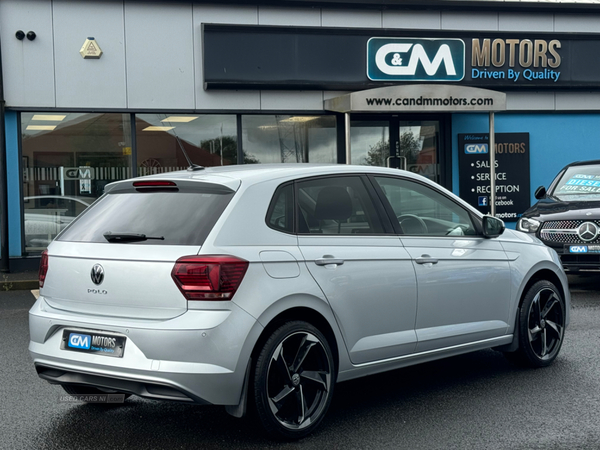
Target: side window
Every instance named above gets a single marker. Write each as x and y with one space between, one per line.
336 205
281 211
421 210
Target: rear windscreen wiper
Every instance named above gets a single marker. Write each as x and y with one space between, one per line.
129 237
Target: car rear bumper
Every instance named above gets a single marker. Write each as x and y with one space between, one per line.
198 357
168 386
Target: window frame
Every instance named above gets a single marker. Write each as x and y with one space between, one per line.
378 207
273 203
476 221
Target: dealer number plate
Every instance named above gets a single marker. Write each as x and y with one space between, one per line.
92 342
577 249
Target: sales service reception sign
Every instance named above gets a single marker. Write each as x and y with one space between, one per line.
512 173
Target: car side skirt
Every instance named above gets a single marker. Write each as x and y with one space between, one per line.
360 370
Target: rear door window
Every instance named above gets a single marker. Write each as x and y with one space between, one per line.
336 205
178 217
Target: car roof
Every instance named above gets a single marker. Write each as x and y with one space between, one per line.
235 175
255 173
232 176
583 163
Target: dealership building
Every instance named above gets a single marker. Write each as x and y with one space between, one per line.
99 91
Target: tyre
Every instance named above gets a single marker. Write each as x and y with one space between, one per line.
74 389
293 380
541 326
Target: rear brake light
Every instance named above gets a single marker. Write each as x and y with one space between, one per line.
153 183
213 278
43 268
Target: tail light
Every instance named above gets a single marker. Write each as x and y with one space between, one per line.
43 268
209 277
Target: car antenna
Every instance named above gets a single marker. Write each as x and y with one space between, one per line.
193 167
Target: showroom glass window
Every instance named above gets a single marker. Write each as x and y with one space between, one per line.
289 139
419 145
209 140
415 144
67 159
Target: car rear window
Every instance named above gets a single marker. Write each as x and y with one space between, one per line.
181 218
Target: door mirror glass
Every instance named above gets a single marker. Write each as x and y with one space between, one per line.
492 227
540 192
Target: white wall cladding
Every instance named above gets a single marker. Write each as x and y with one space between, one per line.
529 22
83 82
464 20
530 101
353 18
160 55
577 101
300 17
28 66
292 100
412 19
153 52
581 23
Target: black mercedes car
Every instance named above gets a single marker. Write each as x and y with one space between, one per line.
567 215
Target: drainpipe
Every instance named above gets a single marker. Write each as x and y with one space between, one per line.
4 263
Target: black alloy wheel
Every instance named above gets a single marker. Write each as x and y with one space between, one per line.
293 380
541 326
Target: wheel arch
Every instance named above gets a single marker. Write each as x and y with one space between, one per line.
543 274
521 351
292 308
305 314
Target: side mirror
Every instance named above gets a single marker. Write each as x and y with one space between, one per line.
492 227
540 193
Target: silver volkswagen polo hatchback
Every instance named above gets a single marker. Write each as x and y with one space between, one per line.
260 287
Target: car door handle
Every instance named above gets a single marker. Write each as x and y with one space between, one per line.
328 259
426 259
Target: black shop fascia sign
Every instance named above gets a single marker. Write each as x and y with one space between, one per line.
272 57
512 173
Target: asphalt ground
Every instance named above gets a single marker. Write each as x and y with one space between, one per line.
473 401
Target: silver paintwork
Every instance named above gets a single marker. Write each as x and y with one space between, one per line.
389 301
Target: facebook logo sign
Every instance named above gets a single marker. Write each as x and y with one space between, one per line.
482 200
79 340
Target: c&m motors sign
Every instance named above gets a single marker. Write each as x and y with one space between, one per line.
413 59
